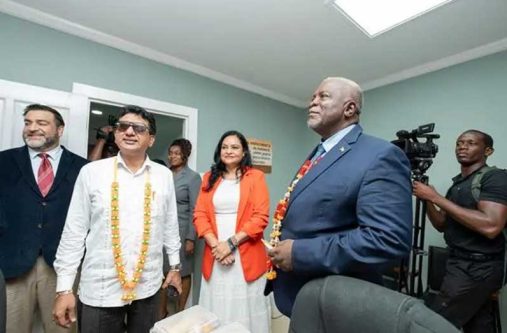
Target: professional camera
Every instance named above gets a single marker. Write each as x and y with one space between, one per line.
420 154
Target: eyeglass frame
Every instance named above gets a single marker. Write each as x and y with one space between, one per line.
136 127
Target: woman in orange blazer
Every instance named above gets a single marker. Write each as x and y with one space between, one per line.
231 214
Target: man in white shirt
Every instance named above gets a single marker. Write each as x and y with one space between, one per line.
122 213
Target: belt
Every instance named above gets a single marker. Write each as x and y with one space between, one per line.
474 256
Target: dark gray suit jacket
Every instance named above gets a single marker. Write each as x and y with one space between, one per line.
186 184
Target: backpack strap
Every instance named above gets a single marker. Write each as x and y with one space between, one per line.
476 192
476 181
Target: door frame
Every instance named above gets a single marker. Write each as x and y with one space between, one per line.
91 94
13 93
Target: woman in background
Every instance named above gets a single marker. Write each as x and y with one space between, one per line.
231 213
186 184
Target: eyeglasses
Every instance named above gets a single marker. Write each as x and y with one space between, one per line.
123 126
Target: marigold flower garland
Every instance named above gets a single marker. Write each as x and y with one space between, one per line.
129 285
280 211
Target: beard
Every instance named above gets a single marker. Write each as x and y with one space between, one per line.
311 123
40 143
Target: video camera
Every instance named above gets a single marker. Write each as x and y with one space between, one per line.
420 154
111 121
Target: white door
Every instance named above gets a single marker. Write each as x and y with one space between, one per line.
75 110
88 94
14 97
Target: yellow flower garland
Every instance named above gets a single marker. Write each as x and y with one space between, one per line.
280 211
129 285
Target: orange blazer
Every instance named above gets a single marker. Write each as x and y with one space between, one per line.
252 218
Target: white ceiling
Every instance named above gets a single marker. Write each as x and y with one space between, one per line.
277 48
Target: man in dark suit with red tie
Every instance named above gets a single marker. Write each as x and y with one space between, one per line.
36 184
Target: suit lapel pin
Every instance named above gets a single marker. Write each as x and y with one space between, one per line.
342 149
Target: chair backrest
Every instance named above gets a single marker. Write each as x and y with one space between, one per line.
437 261
342 304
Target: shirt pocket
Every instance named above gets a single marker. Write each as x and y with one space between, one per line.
158 203
100 199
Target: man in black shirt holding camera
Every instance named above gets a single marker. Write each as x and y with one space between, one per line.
472 217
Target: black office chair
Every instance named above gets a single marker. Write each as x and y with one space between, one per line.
340 304
437 261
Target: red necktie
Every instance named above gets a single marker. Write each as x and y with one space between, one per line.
317 156
45 175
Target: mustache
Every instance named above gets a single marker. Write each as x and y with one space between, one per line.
35 132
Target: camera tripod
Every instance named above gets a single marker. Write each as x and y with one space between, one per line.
410 279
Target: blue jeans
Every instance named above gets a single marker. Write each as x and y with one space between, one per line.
137 317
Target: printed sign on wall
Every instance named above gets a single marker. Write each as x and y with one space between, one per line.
262 154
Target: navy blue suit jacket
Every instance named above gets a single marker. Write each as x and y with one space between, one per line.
33 223
351 214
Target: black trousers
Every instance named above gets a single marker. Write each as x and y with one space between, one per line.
138 317
465 294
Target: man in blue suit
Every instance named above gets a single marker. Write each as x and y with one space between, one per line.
36 184
351 212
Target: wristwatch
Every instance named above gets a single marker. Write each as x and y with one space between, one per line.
175 268
64 292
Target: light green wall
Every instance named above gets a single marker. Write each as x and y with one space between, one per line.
465 96
40 56
37 55
470 95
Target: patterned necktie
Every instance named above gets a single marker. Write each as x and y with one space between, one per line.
45 175
318 154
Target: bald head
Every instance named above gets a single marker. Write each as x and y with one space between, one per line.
348 88
335 104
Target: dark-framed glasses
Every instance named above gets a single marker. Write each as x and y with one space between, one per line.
123 126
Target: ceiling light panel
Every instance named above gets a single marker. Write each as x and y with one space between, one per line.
375 17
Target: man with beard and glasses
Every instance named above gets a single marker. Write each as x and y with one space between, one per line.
36 184
472 217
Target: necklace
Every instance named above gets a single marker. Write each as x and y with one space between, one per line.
280 211
128 285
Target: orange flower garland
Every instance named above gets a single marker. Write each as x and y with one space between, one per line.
129 285
280 211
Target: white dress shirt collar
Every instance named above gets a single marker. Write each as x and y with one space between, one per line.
147 164
333 140
53 154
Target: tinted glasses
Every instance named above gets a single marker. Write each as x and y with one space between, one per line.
123 126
